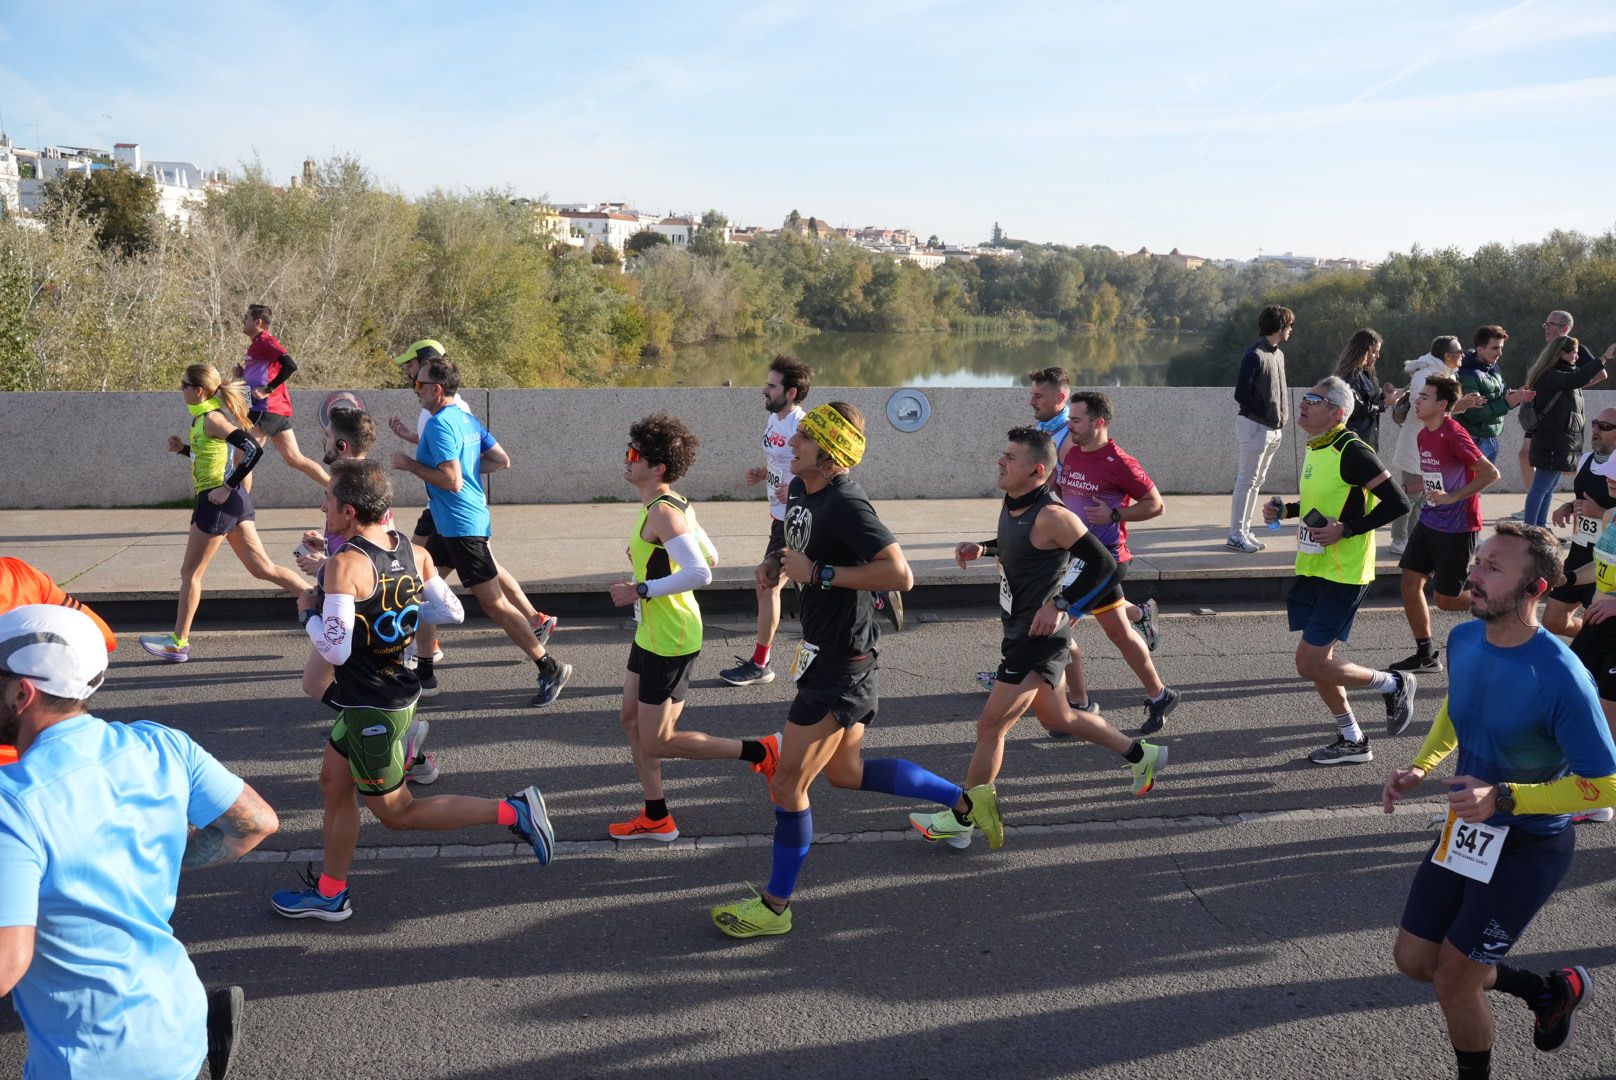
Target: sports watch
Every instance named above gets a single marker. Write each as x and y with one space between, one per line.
1061 603
1505 799
1116 516
827 574
644 593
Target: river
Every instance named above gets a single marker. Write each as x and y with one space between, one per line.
842 359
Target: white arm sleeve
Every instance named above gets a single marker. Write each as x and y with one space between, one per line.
442 605
693 570
332 633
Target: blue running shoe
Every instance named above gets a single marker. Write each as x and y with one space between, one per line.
533 823
307 903
550 685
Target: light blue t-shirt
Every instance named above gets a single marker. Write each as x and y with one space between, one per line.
1525 715
92 830
451 434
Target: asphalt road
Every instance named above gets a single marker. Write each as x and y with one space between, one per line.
1236 922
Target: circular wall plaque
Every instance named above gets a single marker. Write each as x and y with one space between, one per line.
908 410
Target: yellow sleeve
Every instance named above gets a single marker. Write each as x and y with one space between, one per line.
1567 795
1439 743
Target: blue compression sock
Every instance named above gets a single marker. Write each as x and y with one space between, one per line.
895 776
793 833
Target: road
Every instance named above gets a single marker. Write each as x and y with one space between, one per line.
1236 922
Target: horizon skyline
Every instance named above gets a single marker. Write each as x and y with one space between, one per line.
923 114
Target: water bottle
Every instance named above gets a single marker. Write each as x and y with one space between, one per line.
1279 505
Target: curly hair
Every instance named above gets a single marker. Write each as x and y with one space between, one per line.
663 439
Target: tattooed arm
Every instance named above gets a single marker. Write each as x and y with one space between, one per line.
239 829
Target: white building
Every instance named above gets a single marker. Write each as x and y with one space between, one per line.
678 230
602 227
181 186
10 180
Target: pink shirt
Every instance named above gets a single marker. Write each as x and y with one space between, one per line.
1108 477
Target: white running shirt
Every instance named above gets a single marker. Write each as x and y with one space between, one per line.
777 452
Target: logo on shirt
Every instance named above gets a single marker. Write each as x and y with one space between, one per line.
773 441
799 527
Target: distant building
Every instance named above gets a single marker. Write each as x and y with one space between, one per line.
10 180
679 230
1290 261
1189 262
602 227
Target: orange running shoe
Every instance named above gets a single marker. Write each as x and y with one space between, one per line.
771 757
641 827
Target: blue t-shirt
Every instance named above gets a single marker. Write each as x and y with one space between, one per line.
92 830
451 434
1525 715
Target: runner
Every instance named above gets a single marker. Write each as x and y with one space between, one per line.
1532 748
1342 480
224 509
1595 643
839 550
265 369
494 458
1106 488
669 559
22 584
360 622
1049 565
788 384
1453 474
96 821
446 461
1588 511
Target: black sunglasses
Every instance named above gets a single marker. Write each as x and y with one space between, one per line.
1602 425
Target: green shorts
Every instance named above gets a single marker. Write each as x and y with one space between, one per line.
373 742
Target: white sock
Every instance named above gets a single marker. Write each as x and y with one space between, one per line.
1347 724
1383 682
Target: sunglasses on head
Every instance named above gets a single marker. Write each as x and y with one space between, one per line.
1602 425
633 455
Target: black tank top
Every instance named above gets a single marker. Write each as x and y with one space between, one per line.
1584 535
1028 576
384 623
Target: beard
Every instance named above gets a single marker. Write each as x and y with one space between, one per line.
774 405
10 725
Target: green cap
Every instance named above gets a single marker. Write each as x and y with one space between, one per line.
425 349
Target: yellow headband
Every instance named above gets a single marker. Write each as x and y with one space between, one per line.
841 441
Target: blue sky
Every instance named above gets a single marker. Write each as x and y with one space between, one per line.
1219 128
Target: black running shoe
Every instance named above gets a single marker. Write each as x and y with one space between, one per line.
1342 752
1400 704
550 685
1418 663
1156 712
1554 1024
226 1007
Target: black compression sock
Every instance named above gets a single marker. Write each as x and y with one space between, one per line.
1474 1064
423 667
1422 646
752 751
656 809
546 665
964 816
1134 754
1529 986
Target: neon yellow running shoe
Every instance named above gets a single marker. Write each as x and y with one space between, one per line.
751 918
985 814
943 826
1144 771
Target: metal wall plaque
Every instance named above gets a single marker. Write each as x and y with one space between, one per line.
908 410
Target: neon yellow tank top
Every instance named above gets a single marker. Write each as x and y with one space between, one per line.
669 625
1350 560
209 456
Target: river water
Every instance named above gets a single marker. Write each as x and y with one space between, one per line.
841 359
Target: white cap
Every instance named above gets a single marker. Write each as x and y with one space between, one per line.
59 650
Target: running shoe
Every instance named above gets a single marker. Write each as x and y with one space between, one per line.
890 604
771 757
1400 703
1244 542
1156 711
533 823
986 679
166 647
640 827
429 684
408 656
1342 752
307 903
1147 623
1144 770
943 826
1594 817
1418 663
751 918
423 769
746 673
1555 1023
225 1009
984 813
543 626
550 685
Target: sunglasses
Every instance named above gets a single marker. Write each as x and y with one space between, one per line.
1600 425
632 456
1312 399
419 384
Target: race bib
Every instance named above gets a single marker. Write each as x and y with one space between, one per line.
1305 542
805 656
1470 850
1006 601
1433 482
1588 530
1605 571
774 481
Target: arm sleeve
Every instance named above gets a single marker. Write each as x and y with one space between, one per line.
442 605
250 453
693 570
332 633
1359 466
288 366
1440 741
1584 738
1089 575
22 867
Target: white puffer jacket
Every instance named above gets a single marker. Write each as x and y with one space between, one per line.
1407 455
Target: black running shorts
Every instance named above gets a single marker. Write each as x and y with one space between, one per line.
1044 657
1443 557
222 520
849 696
467 556
662 678
271 424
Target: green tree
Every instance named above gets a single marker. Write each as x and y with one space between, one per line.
121 203
709 239
643 241
604 254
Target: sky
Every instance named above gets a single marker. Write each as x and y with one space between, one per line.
1228 129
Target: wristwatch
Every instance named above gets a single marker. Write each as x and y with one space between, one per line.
1505 799
1116 515
1061 603
827 574
642 591
304 616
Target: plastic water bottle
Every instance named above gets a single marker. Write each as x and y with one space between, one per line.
1278 504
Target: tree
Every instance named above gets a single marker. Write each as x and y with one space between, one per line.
121 203
709 239
643 241
604 255
933 242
